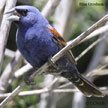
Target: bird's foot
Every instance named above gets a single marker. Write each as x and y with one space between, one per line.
53 64
28 81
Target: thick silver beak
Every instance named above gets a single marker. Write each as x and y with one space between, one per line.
12 15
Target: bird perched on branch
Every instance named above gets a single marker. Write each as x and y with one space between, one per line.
38 41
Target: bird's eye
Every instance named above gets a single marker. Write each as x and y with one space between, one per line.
23 12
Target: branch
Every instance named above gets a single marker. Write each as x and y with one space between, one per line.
23 70
9 71
2 4
65 85
48 98
99 71
11 95
94 34
4 29
104 60
97 32
45 90
9 53
90 47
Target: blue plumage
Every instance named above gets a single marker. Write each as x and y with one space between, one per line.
34 44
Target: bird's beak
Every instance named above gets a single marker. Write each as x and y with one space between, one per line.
13 15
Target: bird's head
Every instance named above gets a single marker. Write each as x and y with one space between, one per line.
24 15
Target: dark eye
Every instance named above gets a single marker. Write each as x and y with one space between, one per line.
23 12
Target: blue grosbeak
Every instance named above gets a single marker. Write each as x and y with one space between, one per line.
37 40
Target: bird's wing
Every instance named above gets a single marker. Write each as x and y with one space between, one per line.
61 43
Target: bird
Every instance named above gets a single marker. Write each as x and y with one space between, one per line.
38 41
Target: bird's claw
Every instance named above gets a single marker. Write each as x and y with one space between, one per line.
53 64
29 81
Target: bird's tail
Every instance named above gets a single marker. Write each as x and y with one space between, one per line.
85 86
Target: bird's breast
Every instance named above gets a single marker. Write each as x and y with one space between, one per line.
36 49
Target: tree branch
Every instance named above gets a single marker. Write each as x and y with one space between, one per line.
9 53
90 47
2 4
9 71
4 29
45 90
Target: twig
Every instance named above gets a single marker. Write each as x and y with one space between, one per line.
101 70
90 47
2 4
23 70
98 73
65 85
9 71
11 95
39 71
52 83
45 90
97 55
93 34
9 53
47 100
4 29
96 32
104 60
